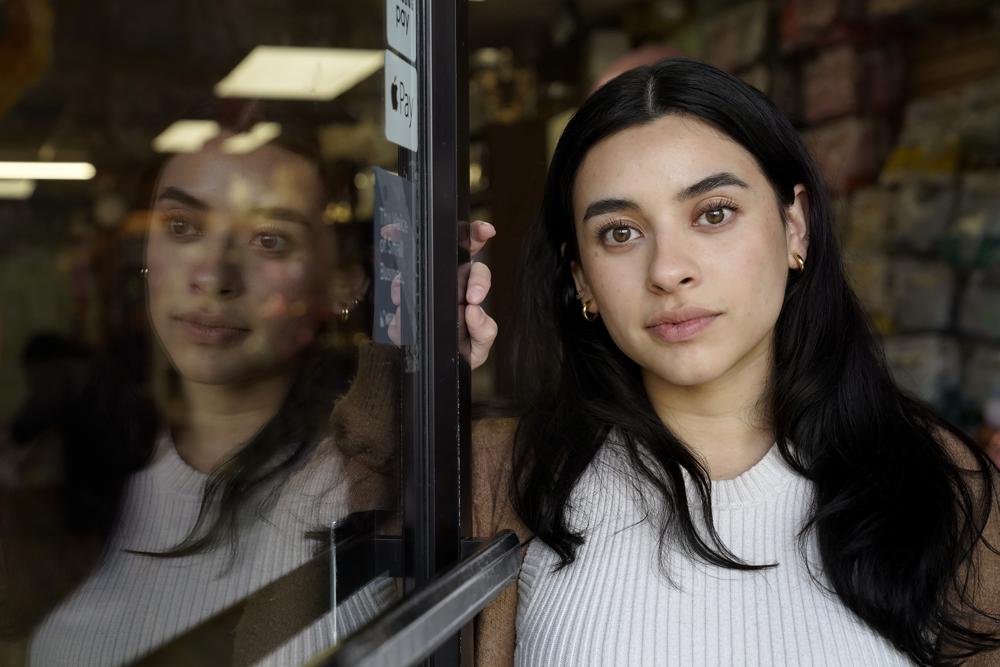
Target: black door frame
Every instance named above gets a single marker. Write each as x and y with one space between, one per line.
436 504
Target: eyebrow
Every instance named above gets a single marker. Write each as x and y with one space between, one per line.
282 213
610 205
179 195
709 183
705 185
274 212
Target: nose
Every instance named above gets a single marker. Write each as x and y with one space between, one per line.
217 271
671 267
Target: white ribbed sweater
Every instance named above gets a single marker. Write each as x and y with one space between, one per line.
133 603
614 606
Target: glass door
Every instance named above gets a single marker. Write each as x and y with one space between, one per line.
234 381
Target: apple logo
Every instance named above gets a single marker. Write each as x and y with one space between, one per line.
394 95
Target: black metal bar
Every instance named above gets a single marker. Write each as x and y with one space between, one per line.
363 553
434 512
424 621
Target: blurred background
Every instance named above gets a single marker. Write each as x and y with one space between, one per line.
898 100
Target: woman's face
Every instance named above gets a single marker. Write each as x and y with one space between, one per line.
238 260
683 250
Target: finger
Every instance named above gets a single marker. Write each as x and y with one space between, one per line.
480 281
391 232
482 334
393 330
480 232
395 289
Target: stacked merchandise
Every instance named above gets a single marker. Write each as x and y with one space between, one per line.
924 249
919 214
850 79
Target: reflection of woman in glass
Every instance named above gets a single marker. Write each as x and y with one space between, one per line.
238 269
712 456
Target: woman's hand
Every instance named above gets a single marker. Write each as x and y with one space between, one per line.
482 328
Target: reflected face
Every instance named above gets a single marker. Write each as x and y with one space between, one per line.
238 262
683 250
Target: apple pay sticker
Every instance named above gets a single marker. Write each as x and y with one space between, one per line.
400 102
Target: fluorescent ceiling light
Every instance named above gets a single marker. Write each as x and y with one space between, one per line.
252 140
20 189
185 136
299 73
47 171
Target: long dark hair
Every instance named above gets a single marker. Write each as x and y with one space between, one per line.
896 517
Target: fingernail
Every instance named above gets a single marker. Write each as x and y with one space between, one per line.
476 294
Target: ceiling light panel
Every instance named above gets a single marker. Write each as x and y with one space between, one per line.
47 171
185 136
16 189
252 140
299 73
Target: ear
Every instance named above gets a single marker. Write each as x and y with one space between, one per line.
797 226
346 286
580 279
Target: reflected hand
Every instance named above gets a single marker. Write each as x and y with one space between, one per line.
394 330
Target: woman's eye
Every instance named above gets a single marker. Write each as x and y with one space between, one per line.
620 234
271 242
716 216
181 228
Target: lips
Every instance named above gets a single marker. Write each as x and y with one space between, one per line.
211 329
681 324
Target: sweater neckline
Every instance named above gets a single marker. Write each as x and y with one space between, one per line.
175 473
771 476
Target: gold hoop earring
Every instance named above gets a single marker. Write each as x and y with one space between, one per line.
800 261
587 315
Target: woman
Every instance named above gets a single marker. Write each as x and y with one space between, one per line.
713 459
246 466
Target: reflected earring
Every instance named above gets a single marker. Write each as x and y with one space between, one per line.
800 261
144 272
345 311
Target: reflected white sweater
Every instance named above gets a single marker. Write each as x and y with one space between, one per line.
133 603
614 606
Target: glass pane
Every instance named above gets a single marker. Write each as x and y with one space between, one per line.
192 401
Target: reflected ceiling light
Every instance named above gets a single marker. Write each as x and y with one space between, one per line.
47 171
19 189
252 140
185 136
299 73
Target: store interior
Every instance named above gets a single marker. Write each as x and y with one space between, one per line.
898 100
